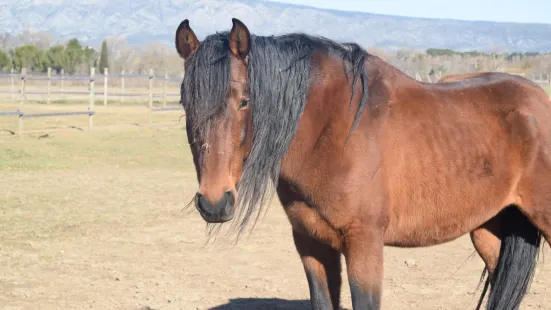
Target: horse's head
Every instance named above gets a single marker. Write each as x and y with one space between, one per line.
215 94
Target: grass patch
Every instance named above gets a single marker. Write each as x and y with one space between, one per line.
145 148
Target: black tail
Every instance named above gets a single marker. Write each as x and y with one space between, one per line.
518 255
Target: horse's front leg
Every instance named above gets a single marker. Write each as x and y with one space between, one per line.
363 250
323 271
318 245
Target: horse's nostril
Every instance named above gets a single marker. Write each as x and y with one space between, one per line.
230 198
202 204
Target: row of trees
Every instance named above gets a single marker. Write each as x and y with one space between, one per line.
72 57
445 61
449 52
36 51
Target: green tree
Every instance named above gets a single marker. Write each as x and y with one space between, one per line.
90 57
55 57
104 57
28 56
40 62
4 61
73 57
440 52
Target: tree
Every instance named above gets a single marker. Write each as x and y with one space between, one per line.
40 62
4 61
104 56
73 56
89 58
55 57
440 52
28 56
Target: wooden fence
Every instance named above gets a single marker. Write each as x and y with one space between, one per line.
117 88
57 89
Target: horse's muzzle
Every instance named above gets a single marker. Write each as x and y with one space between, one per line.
219 212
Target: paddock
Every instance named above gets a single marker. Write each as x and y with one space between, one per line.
92 216
101 226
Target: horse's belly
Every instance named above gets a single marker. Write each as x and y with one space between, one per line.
430 230
441 209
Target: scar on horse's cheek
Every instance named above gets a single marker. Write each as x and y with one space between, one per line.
243 133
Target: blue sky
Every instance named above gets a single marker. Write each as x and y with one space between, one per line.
522 11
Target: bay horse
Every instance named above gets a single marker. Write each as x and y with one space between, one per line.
362 156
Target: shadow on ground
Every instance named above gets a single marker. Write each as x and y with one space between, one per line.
257 304
264 304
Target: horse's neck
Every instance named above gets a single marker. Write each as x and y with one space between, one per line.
325 124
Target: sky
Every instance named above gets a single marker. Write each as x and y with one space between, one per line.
521 11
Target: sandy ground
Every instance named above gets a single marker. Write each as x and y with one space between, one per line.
94 220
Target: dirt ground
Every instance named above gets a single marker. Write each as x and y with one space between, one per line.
94 220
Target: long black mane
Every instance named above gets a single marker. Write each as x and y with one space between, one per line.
279 76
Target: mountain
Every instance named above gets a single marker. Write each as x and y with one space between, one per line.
140 21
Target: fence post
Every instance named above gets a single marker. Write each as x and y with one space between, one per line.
22 100
49 85
150 87
12 90
122 86
91 103
164 89
62 78
105 77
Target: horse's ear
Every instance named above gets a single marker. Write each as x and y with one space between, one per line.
240 40
186 40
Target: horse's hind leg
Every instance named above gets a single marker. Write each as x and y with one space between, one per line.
528 212
487 242
511 224
537 207
511 274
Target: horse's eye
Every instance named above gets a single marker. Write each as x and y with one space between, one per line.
243 104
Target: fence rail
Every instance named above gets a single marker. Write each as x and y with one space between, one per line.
10 113
178 108
23 115
61 93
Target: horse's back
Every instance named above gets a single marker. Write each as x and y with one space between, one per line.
460 76
494 91
471 80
